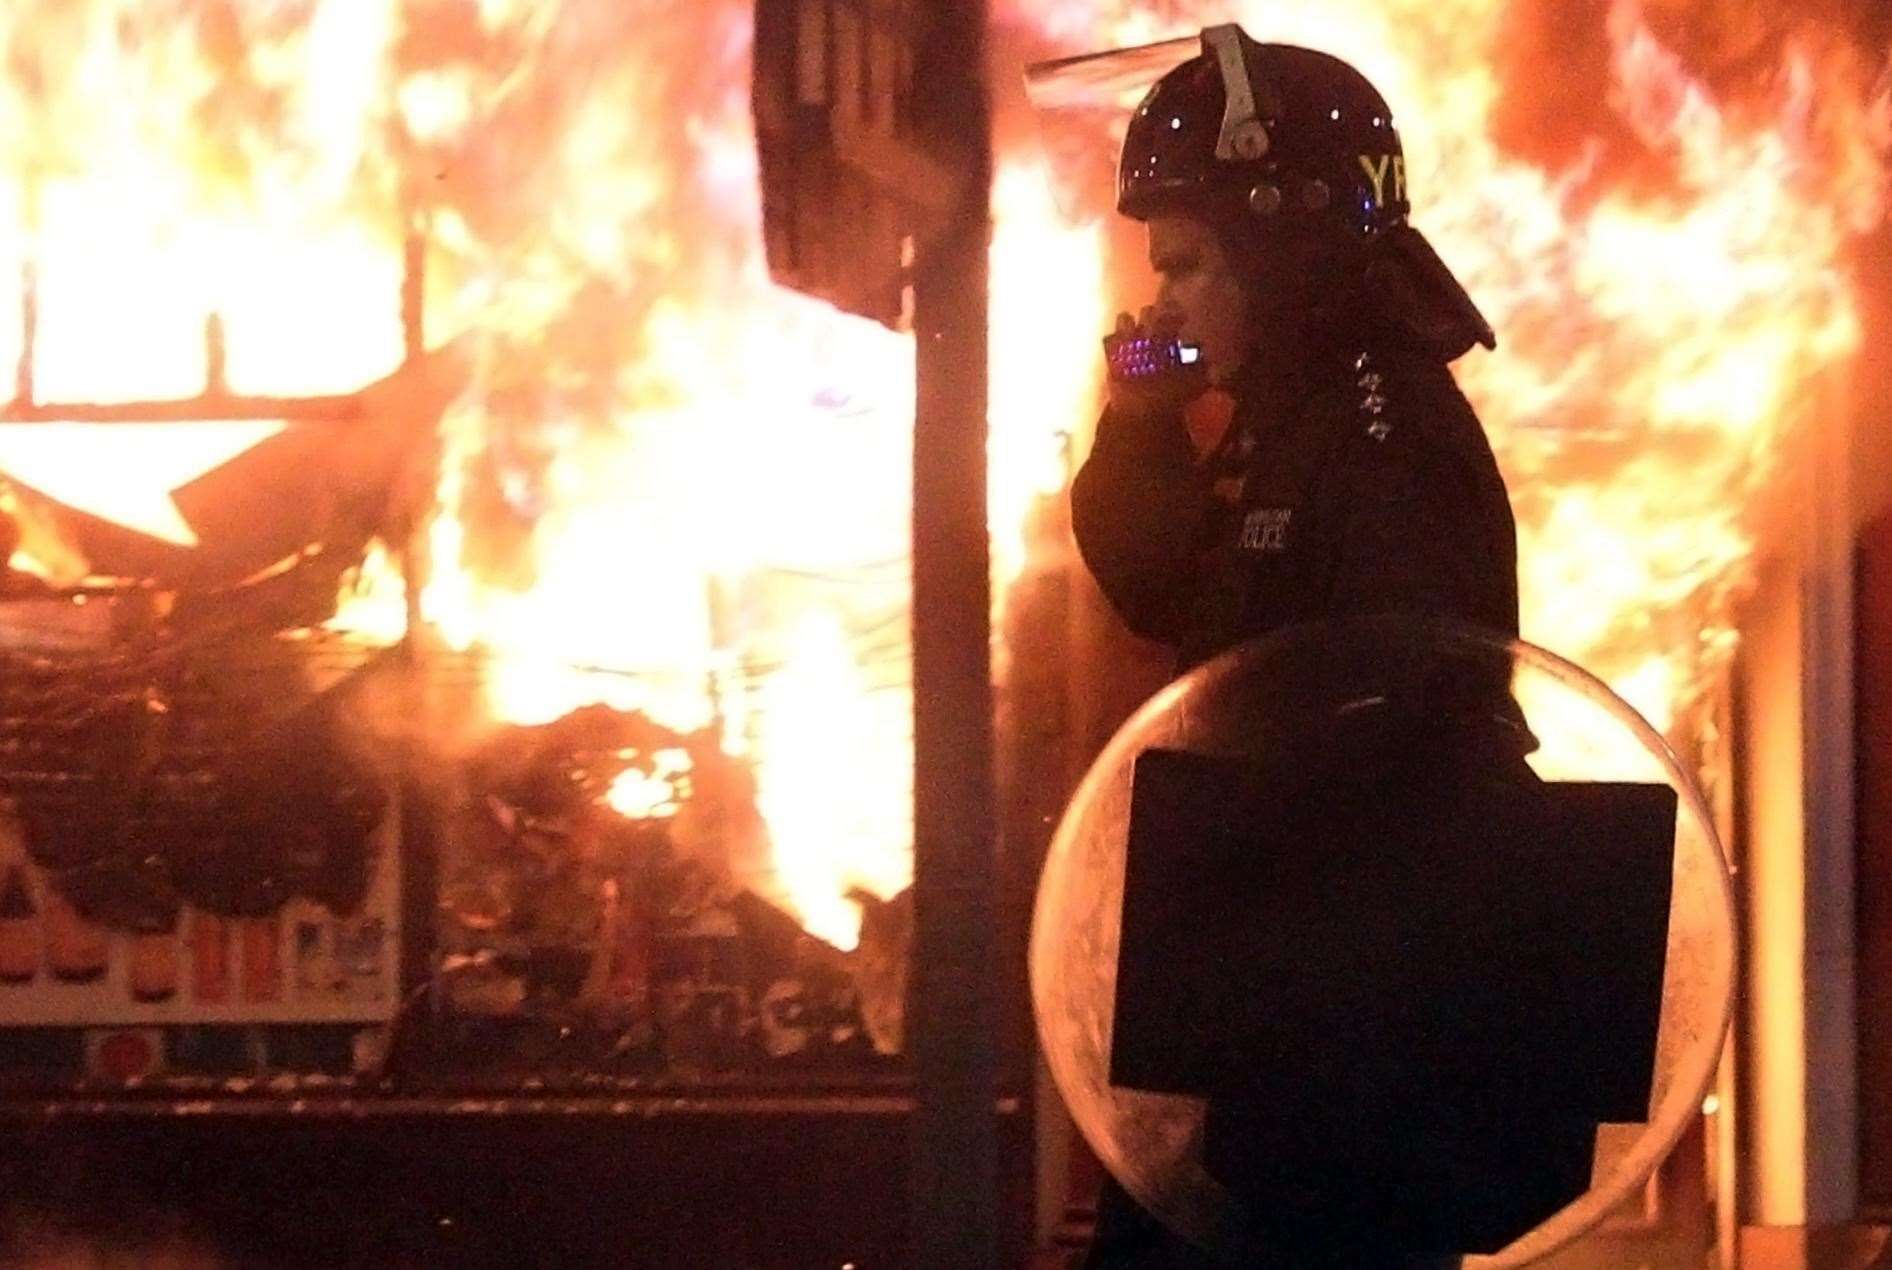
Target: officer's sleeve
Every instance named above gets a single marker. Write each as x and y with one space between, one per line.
1407 533
1140 510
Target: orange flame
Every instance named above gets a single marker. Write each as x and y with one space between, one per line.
671 486
654 792
163 167
125 472
1669 288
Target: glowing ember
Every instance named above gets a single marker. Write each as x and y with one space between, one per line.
640 794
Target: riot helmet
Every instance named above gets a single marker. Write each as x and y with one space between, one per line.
1281 145
1290 134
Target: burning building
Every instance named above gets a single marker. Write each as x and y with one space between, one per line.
457 639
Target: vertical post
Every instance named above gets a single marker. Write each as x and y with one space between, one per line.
216 378
413 293
1796 1050
1827 650
954 1179
1871 481
29 334
419 808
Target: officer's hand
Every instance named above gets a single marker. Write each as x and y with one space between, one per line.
1144 380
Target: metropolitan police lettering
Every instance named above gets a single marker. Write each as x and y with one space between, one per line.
1266 529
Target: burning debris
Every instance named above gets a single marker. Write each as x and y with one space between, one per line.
142 783
606 509
596 894
664 503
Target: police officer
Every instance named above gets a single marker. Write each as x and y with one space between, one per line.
1316 458
1284 441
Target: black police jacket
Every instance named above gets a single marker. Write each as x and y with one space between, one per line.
1360 483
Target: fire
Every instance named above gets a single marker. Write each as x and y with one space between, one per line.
651 792
1048 301
670 486
659 468
1666 274
161 168
727 539
125 472
836 781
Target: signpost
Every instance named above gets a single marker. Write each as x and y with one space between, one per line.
872 127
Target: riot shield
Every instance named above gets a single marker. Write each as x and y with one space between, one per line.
1383 937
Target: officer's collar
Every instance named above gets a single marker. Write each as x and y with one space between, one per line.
1393 298
1286 374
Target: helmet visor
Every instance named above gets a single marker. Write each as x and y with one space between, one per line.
1083 105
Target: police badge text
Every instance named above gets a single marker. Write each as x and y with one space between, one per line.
1266 529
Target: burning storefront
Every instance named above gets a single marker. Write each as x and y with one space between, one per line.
275 511
439 684
458 625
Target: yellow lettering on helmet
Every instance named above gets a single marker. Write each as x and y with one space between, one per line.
1376 173
1399 178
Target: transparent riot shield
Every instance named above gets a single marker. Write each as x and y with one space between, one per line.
1392 909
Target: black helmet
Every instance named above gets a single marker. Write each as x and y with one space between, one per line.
1294 144
1289 134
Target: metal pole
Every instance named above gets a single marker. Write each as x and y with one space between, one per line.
955 1186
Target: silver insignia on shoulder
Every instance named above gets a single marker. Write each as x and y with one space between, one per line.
1372 400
